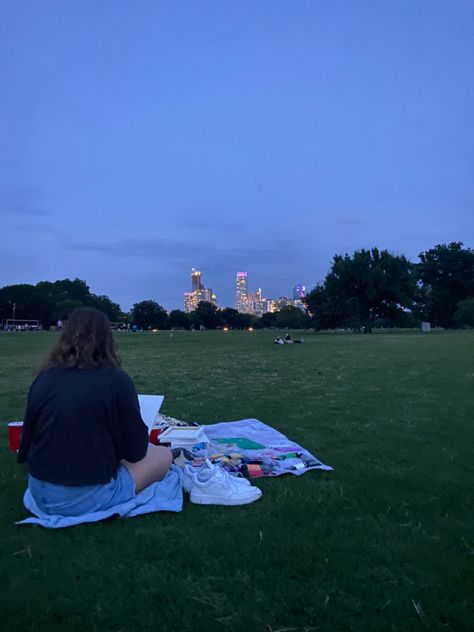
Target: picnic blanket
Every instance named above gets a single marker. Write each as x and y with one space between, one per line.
251 448
247 447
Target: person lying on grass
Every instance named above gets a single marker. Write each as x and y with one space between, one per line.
83 430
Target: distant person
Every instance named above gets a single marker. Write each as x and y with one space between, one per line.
83 438
288 339
279 341
59 324
299 342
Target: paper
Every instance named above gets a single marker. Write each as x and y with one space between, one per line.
150 407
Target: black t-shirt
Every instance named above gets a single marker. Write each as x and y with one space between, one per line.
79 424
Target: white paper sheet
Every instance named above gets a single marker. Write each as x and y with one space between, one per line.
150 407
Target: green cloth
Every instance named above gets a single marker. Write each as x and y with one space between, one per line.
241 442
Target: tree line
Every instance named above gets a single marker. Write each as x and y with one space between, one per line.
370 288
49 302
377 288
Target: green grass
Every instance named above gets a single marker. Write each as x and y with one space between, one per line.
385 542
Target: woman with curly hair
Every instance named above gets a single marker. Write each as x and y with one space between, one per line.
84 440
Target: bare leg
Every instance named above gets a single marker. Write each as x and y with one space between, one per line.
152 468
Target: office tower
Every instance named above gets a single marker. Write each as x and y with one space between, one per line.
241 292
271 306
190 302
299 292
196 280
256 303
199 293
283 301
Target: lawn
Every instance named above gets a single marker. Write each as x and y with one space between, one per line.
384 542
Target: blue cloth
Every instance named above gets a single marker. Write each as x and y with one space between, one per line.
57 506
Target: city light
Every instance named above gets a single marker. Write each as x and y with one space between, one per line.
246 302
226 329
250 328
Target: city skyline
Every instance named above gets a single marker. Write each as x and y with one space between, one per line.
246 302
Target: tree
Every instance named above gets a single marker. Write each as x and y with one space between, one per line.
102 302
464 316
292 318
269 319
63 308
446 273
231 318
206 314
179 319
17 297
149 314
361 288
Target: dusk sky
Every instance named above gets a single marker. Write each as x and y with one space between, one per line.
141 139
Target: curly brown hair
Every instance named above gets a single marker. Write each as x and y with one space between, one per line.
86 342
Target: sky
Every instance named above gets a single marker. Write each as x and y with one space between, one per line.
141 139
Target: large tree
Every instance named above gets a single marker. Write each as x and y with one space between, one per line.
107 306
236 320
447 276
47 301
179 319
363 287
207 315
292 318
149 314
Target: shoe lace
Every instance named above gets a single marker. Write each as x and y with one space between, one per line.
225 479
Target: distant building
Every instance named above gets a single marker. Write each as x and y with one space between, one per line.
257 304
271 306
283 301
299 294
196 280
199 293
241 293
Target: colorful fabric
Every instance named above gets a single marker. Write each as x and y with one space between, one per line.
252 449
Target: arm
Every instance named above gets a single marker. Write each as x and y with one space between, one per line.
130 434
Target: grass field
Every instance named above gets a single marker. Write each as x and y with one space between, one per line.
385 542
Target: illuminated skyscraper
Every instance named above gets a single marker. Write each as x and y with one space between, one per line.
283 301
299 293
199 293
190 301
196 280
241 292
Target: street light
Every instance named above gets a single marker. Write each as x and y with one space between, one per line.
14 308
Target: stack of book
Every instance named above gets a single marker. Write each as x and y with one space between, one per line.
183 437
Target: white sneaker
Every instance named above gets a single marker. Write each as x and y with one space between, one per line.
214 486
189 471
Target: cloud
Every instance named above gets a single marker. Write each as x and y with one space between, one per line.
353 220
23 201
161 249
34 227
25 210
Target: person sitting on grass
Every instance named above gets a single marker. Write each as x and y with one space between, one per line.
83 439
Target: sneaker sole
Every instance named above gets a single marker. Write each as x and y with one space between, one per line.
218 500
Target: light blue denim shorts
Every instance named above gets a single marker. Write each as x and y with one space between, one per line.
62 500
